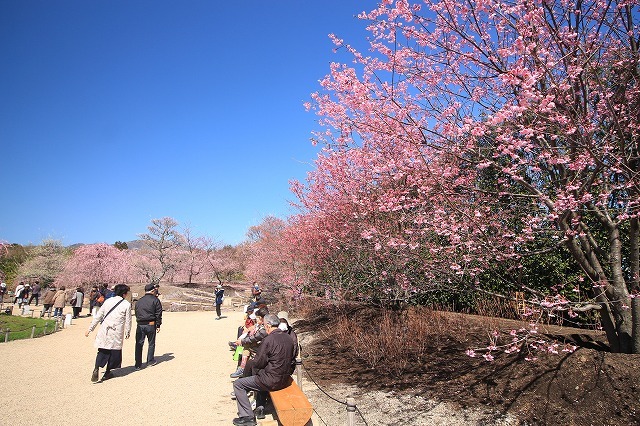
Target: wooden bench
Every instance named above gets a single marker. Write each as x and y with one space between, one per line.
292 406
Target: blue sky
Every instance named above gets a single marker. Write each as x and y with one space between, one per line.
113 113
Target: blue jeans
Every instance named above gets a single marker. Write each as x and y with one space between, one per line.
145 332
57 312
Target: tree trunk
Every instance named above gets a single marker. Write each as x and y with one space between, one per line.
618 321
634 245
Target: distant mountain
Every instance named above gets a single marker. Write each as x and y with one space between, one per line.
135 244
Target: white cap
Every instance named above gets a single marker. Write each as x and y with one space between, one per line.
283 315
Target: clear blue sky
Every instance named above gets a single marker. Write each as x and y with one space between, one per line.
113 113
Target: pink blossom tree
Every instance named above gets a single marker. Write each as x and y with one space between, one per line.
192 256
471 129
97 264
273 257
225 263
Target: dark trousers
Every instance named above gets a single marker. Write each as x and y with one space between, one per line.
145 332
47 308
34 296
218 311
76 311
240 388
112 358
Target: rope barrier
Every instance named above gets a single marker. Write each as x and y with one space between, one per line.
331 397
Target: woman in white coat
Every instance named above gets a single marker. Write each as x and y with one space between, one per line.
115 317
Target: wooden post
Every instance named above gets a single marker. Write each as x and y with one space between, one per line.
299 372
55 328
6 335
33 331
44 331
520 303
351 411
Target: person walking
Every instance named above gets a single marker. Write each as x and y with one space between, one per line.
47 302
272 362
219 298
59 302
115 319
17 294
76 302
93 298
35 293
149 319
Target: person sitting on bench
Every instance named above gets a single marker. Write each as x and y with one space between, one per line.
272 369
250 343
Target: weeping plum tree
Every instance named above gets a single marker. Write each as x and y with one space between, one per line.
97 264
541 94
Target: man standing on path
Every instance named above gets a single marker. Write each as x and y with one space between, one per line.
149 318
272 363
219 298
35 293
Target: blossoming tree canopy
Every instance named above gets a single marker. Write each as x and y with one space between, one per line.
97 264
464 113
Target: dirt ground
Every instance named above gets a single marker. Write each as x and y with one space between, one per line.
446 387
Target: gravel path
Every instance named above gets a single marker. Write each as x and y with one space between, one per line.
47 380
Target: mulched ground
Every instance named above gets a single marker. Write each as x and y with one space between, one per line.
587 387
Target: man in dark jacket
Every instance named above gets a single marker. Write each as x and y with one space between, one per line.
272 363
149 319
219 298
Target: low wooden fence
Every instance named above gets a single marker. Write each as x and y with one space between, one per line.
46 330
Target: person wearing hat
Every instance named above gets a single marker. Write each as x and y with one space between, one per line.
3 291
219 298
149 319
286 327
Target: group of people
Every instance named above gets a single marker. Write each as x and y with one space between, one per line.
114 315
269 351
24 293
56 299
269 344
53 301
